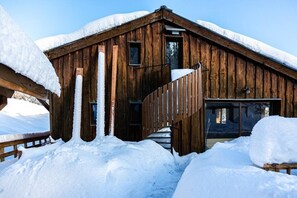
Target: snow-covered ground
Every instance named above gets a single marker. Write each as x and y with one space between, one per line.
107 167
226 170
21 117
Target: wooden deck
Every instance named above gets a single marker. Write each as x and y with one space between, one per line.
28 141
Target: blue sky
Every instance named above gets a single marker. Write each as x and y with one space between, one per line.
271 21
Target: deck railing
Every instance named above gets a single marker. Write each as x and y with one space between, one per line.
9 145
172 102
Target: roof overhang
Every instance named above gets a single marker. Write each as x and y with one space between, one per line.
9 80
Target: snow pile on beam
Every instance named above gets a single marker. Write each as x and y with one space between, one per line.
254 45
274 140
94 27
22 55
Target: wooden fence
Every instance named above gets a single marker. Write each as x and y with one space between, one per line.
9 147
172 102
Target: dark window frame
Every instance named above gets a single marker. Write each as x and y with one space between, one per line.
138 45
275 110
93 113
179 40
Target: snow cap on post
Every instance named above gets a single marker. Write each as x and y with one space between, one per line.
101 92
77 105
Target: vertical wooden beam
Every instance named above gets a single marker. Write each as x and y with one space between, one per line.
77 105
1 152
3 102
101 92
223 75
295 100
250 79
214 72
113 89
86 132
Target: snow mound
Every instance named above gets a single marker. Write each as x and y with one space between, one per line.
107 167
254 45
274 140
21 54
94 27
19 117
227 171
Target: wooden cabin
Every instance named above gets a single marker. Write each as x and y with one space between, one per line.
239 86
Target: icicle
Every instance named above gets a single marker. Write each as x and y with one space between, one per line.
77 105
101 93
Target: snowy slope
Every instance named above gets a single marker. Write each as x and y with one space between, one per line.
94 27
254 45
227 171
22 55
19 117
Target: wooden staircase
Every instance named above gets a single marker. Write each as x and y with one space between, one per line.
172 103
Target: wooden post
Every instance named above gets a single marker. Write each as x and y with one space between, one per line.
101 92
1 152
77 105
3 102
113 89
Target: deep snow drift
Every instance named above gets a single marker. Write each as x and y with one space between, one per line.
274 140
22 55
107 167
227 171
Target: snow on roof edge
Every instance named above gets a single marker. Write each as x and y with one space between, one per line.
264 49
21 54
98 26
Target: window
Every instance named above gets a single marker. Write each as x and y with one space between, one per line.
234 118
93 112
135 113
174 52
134 53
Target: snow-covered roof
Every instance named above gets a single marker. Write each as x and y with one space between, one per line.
21 54
91 28
254 45
109 22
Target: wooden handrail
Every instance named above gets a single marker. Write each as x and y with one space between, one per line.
277 167
40 138
172 102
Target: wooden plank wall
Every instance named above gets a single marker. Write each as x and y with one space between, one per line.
133 85
224 75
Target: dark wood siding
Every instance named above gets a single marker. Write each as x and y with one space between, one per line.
225 74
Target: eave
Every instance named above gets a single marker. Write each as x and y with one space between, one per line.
17 82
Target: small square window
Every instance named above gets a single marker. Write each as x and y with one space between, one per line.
134 53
